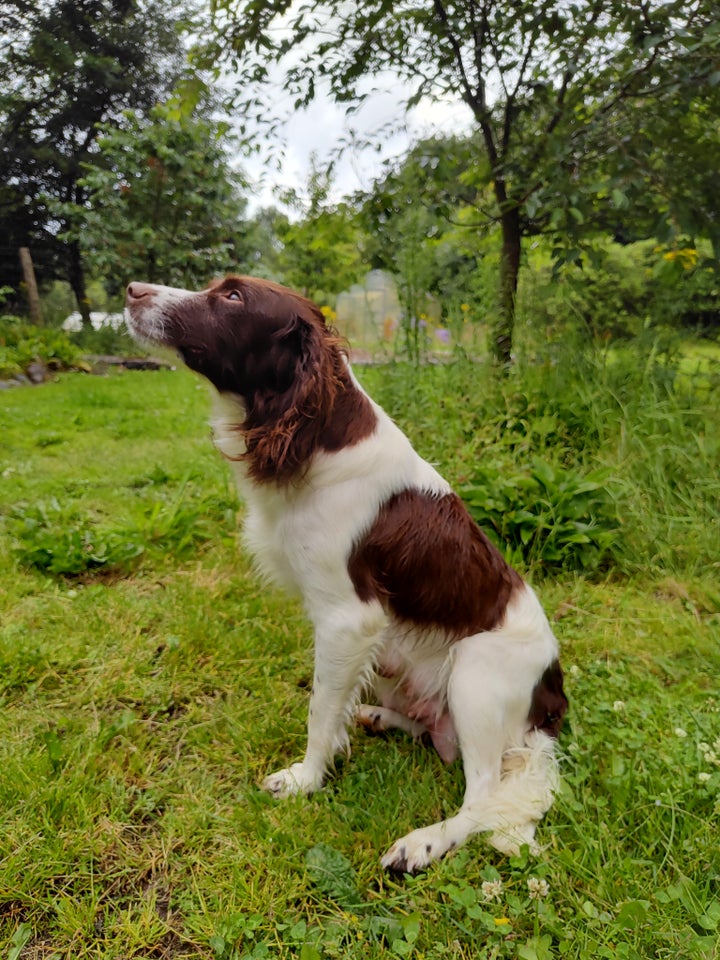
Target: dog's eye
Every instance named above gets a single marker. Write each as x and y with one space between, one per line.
234 295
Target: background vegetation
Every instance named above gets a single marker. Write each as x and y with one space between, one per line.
147 681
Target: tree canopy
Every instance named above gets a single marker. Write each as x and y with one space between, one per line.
164 204
547 84
70 65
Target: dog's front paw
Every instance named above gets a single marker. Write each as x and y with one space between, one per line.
287 783
417 850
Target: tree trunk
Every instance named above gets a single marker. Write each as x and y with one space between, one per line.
31 285
76 276
502 332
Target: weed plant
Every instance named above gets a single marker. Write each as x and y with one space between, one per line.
21 343
145 697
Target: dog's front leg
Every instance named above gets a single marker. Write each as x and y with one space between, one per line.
346 643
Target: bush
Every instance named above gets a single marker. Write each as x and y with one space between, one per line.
549 518
22 343
687 291
107 340
618 291
48 540
608 298
57 540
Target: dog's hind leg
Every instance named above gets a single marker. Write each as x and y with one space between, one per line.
489 696
346 641
381 719
391 714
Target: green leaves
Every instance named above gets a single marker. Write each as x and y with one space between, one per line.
69 67
55 540
333 874
549 517
164 202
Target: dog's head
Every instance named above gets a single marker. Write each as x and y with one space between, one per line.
245 335
270 347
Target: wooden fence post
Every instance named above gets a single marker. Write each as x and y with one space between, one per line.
31 284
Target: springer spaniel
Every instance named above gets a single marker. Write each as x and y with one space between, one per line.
408 598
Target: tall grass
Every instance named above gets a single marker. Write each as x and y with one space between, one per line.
638 416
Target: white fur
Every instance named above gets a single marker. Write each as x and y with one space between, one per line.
149 324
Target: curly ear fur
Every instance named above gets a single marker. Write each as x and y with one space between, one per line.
283 430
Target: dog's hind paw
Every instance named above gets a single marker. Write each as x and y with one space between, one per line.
417 850
295 779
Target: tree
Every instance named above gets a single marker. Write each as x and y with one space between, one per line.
668 184
321 249
543 81
70 65
415 227
163 203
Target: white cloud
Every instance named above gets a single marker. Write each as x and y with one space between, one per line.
379 130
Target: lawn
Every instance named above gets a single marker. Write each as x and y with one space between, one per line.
148 683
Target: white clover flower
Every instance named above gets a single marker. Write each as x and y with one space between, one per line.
703 747
492 889
709 756
619 706
679 732
703 777
537 888
574 670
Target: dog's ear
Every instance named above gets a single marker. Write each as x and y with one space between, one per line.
283 427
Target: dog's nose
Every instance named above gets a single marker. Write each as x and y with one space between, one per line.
136 291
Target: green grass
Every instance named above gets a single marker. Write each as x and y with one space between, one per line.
145 695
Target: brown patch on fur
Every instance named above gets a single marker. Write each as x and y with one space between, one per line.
549 703
322 410
428 561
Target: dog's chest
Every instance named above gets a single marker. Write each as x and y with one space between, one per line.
271 536
300 542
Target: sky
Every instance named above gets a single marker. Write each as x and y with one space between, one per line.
320 129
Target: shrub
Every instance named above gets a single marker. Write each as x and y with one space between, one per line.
22 343
619 291
548 518
608 298
687 291
107 340
47 540
56 540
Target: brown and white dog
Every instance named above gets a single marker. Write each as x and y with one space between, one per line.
408 598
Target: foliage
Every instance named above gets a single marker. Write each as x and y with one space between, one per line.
548 518
667 184
21 344
44 545
419 224
59 542
687 290
617 291
140 710
70 66
320 252
544 82
163 201
638 413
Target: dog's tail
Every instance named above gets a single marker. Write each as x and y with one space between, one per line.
528 783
